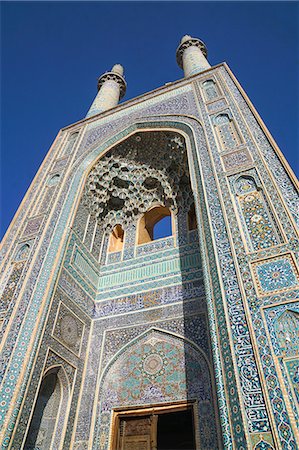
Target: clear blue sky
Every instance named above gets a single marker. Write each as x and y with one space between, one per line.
52 54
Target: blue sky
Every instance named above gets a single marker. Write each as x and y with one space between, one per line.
52 54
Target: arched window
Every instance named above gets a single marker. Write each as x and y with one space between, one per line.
116 240
70 142
46 411
23 252
154 224
255 213
192 222
227 131
210 90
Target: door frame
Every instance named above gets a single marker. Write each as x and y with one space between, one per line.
156 409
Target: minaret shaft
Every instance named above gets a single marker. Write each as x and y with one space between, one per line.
111 88
194 61
191 56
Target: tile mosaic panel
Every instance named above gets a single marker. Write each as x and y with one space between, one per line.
287 331
80 221
217 106
275 274
114 257
70 143
284 428
45 201
96 247
237 160
250 385
226 130
57 355
85 267
145 372
194 328
155 270
155 246
68 329
33 225
59 164
23 250
90 232
74 291
210 90
155 297
259 223
53 179
11 285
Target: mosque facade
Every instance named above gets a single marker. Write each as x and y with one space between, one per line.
117 338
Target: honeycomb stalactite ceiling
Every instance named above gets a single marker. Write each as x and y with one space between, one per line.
146 169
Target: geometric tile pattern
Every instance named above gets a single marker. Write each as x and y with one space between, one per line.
68 329
275 274
228 135
33 225
210 89
259 223
146 372
236 160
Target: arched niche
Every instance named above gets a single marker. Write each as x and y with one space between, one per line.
148 222
228 135
46 427
256 214
23 252
192 222
154 369
210 89
116 239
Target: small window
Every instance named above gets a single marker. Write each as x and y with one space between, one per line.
116 241
154 224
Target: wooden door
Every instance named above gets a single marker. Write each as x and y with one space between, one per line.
137 433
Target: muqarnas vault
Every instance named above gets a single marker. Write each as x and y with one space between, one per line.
115 339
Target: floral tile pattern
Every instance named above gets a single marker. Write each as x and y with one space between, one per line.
276 274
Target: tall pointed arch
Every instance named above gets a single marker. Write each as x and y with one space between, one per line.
145 372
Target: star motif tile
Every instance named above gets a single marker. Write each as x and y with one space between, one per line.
275 274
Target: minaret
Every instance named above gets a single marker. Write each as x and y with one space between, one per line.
191 55
111 88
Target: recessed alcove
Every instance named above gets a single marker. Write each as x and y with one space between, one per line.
192 222
116 240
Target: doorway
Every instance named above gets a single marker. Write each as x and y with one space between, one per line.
160 429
